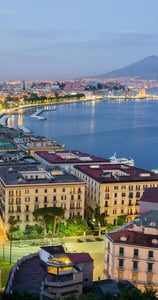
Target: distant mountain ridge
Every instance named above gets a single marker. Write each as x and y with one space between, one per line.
146 68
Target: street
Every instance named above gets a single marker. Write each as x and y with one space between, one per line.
13 252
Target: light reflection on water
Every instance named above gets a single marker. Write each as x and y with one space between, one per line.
102 128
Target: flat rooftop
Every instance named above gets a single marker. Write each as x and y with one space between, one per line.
70 157
104 173
21 174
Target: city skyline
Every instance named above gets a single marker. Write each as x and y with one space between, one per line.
63 40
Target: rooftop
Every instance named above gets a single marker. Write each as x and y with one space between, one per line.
20 174
116 173
69 157
150 195
143 231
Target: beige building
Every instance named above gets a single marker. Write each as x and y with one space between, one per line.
32 144
131 253
26 187
116 188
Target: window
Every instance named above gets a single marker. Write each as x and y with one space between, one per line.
54 198
106 203
11 201
135 253
72 197
78 205
63 190
72 191
45 190
108 245
130 187
27 207
122 202
107 196
36 191
27 199
115 187
150 267
36 199
115 195
79 197
54 190
137 187
121 251
121 263
150 254
18 200
123 194
36 206
11 193
26 191
18 193
131 195
114 211
135 265
45 199
137 194
18 208
130 203
27 218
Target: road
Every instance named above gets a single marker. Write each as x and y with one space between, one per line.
94 248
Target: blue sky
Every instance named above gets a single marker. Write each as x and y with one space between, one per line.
69 39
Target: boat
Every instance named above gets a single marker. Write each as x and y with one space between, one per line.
41 118
121 160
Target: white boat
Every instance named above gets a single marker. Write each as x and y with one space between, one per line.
121 160
41 118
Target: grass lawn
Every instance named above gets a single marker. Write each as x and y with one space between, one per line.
5 268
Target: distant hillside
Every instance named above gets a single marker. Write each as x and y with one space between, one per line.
146 68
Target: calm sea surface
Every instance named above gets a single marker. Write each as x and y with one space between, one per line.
102 128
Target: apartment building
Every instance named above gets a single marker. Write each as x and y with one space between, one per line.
31 144
67 159
116 188
26 187
131 252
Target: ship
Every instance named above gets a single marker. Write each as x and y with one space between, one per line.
121 160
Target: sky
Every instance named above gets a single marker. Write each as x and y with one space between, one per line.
67 39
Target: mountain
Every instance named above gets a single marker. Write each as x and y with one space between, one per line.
146 68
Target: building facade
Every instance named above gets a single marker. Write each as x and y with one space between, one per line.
131 252
25 188
115 188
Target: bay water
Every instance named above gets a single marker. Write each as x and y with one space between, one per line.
129 128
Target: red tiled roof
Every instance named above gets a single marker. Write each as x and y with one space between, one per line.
150 195
79 257
133 238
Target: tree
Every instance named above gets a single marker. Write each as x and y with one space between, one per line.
13 226
74 227
97 215
51 217
150 294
